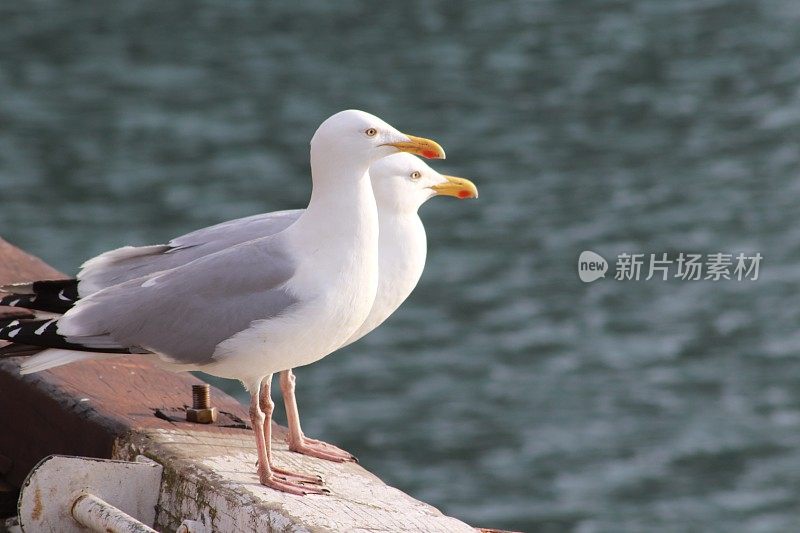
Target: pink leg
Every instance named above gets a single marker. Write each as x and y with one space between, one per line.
297 441
266 474
268 406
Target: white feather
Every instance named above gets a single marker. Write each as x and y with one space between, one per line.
93 272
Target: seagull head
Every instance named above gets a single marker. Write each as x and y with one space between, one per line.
358 138
402 182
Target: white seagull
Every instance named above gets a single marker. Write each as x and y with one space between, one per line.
401 184
265 305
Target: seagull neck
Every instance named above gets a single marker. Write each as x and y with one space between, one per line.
332 193
400 227
332 177
397 220
339 203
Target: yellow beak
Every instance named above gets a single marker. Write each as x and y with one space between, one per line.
458 187
420 146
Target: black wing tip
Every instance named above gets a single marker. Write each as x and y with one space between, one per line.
44 334
53 296
53 286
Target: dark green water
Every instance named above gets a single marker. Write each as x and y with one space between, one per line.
506 391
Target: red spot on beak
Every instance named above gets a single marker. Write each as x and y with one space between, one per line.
429 154
464 194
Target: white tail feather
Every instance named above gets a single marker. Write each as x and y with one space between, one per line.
54 357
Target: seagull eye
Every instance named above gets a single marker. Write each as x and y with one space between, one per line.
416 175
371 132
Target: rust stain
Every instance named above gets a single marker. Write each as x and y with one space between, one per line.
36 514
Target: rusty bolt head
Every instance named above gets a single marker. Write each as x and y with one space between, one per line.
202 416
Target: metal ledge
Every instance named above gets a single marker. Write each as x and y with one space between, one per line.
116 409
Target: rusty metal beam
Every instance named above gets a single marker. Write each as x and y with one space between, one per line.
83 409
18 266
126 407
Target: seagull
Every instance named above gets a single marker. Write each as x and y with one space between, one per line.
405 184
262 306
401 184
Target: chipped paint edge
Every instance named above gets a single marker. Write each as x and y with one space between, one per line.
187 492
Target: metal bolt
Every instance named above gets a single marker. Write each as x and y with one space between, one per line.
201 411
201 396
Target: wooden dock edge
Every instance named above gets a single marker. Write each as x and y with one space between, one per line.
120 408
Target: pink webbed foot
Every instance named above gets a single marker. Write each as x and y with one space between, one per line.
283 474
321 450
288 484
311 479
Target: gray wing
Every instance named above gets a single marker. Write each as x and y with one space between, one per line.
184 313
131 262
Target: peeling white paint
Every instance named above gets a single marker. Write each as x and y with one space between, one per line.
211 477
51 489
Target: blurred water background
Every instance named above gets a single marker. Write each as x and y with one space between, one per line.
505 391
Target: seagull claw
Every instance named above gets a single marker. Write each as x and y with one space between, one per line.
269 479
311 479
321 450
